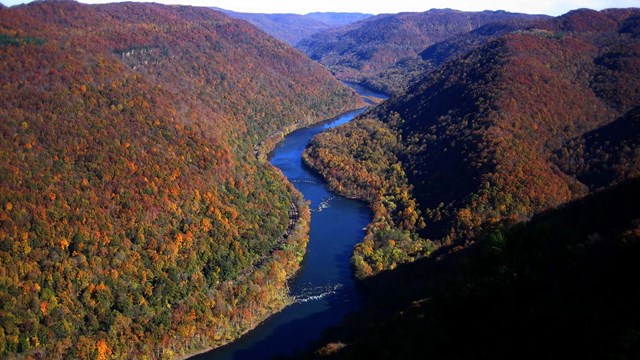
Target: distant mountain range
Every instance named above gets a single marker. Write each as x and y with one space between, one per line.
291 28
365 49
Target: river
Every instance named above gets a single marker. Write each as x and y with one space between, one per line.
324 288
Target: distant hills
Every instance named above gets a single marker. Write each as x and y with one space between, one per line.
336 19
132 208
364 49
291 28
398 77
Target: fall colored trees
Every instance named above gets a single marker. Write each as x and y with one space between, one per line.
382 51
482 139
131 204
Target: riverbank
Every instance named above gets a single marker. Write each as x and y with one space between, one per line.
285 258
322 292
266 146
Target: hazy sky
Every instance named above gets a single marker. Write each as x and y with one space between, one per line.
551 7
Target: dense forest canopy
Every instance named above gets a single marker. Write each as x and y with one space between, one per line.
382 51
132 209
504 182
525 122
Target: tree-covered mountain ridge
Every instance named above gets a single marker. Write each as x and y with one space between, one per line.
526 122
367 51
133 212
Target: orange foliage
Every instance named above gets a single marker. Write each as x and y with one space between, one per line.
114 118
479 140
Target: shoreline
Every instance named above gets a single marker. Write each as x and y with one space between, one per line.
261 152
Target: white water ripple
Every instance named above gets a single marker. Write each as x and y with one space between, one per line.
303 181
315 293
324 204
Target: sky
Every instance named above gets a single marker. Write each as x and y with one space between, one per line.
550 7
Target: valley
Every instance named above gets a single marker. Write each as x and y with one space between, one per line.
182 181
323 290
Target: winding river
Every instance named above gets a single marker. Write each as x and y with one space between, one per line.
324 289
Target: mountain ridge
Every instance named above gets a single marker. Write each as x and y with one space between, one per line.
361 50
472 143
291 28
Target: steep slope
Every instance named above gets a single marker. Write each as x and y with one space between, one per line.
291 28
559 286
474 141
134 219
605 155
397 78
363 49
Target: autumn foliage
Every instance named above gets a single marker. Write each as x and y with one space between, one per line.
134 218
524 123
378 51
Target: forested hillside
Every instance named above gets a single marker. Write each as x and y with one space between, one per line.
524 123
562 285
605 155
397 78
365 50
135 220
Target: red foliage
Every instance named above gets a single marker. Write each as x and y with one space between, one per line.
130 197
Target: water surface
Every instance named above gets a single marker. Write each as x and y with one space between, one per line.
324 288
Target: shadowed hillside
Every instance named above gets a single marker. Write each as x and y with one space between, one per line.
364 49
476 142
559 286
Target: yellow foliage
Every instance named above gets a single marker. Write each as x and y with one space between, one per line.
103 350
206 224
